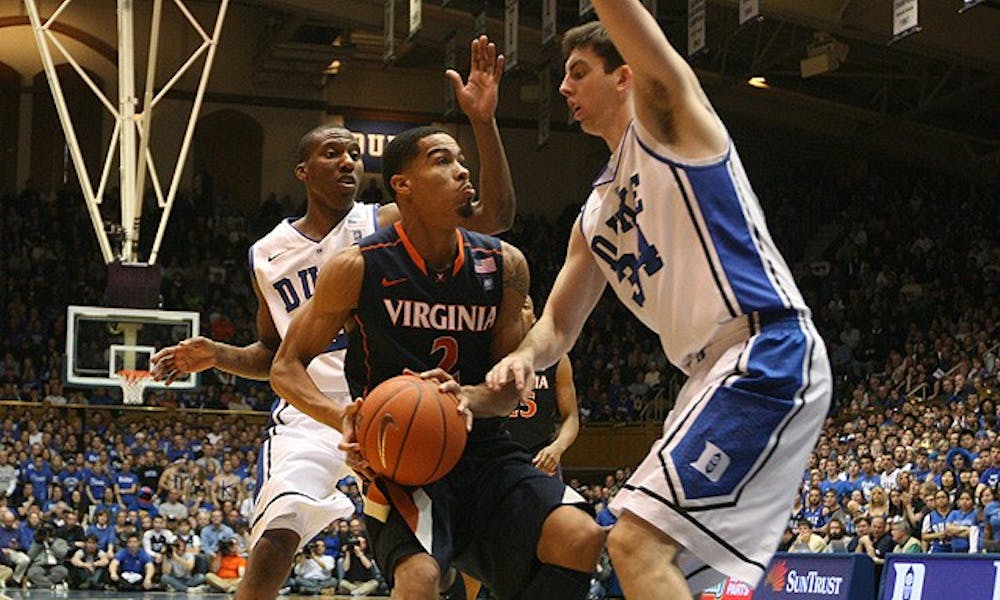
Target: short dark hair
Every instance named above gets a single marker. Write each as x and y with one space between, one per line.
402 149
307 141
594 36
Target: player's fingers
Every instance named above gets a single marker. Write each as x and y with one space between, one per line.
463 409
498 70
455 79
475 60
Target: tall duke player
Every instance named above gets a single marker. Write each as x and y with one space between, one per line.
300 462
674 226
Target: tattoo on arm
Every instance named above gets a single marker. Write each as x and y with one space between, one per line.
516 275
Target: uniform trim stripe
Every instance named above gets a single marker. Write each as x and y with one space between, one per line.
410 249
714 268
367 354
711 534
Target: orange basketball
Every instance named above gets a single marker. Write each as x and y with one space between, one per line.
410 432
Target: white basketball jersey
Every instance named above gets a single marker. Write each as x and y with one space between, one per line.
684 246
286 263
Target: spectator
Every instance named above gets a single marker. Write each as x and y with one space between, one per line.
173 508
179 568
71 531
214 533
360 576
46 570
315 571
156 541
227 568
905 543
962 524
132 568
14 555
806 540
89 566
103 531
837 539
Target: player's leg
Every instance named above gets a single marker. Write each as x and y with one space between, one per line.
645 560
571 539
269 564
569 547
416 577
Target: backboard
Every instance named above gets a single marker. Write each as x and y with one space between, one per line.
101 341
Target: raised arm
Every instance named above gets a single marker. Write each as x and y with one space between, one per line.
577 289
669 101
197 354
494 210
310 332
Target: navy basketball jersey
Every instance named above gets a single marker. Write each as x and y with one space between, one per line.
409 316
533 424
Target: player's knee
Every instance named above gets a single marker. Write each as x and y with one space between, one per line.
572 539
416 576
631 538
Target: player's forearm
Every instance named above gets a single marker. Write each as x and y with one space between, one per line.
485 403
497 199
568 430
290 380
545 344
249 362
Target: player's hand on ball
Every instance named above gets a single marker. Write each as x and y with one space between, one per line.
189 356
349 443
448 385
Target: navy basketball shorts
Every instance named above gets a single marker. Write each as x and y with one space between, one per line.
484 518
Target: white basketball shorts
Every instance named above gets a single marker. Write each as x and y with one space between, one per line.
722 479
297 470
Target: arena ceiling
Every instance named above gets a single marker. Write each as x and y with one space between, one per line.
934 95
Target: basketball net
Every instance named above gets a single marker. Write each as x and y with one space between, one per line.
133 383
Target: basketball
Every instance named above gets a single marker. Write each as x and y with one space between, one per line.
410 432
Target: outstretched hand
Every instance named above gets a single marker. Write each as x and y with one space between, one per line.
189 356
512 368
479 96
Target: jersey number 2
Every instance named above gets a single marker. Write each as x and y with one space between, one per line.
450 347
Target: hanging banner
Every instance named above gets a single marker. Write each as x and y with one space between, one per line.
544 104
696 27
416 16
904 19
749 11
586 7
650 6
548 21
450 62
511 21
479 23
388 27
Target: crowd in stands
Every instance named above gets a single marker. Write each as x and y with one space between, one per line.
905 296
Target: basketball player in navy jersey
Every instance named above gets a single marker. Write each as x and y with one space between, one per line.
673 226
300 463
427 295
548 420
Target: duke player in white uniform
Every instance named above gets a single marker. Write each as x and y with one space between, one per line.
300 463
674 226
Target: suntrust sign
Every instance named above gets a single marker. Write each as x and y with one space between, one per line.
818 577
